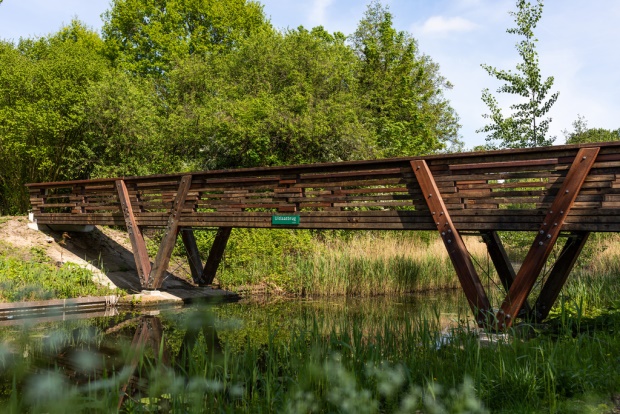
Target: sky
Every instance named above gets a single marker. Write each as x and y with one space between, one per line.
578 45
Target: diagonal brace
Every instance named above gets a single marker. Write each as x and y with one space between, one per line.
465 270
162 259
215 255
138 246
547 235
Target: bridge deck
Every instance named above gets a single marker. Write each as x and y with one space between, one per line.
571 190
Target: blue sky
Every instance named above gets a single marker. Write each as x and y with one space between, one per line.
578 45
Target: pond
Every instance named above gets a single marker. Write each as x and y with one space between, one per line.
398 354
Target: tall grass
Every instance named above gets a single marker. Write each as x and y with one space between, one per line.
359 264
313 364
371 265
594 285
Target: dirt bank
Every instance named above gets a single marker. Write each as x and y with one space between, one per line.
107 253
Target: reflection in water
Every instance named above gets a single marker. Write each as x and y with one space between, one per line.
145 356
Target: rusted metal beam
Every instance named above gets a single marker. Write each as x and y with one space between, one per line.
193 255
162 259
546 237
559 274
215 255
140 338
143 264
465 270
500 260
148 332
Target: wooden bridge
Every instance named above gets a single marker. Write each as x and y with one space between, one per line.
555 191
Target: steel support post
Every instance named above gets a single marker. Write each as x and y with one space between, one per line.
193 255
170 235
465 270
500 260
546 237
215 255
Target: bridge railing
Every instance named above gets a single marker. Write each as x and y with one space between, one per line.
500 190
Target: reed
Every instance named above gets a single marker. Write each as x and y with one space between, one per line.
359 264
313 361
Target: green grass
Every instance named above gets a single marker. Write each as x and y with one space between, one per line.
30 275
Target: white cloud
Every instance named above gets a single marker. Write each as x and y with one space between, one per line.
318 12
443 25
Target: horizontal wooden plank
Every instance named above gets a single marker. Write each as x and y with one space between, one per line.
503 164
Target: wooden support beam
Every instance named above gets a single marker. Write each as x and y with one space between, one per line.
162 259
465 270
557 278
193 255
215 255
143 264
547 235
139 339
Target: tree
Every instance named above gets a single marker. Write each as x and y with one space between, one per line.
280 98
43 92
526 126
582 134
147 37
401 89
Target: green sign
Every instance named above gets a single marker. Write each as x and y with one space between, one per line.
284 220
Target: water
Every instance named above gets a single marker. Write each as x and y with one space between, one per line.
120 351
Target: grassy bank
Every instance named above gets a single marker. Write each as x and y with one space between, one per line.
338 263
29 274
391 263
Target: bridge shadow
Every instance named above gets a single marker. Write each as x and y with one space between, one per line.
112 255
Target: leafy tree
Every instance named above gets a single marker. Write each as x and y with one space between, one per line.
581 134
148 36
281 98
401 89
526 126
126 128
43 90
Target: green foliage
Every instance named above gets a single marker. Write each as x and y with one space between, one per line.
525 127
125 129
311 357
37 279
148 37
401 89
282 98
581 134
200 84
260 257
360 264
43 92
